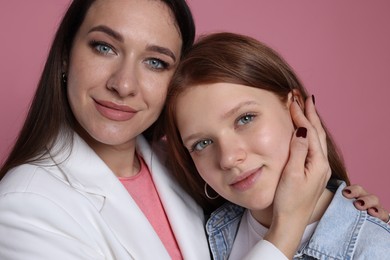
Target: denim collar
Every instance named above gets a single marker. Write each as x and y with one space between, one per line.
336 234
223 216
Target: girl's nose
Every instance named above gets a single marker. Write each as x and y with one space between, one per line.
231 154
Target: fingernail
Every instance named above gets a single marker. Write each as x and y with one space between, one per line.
301 132
360 202
314 99
347 191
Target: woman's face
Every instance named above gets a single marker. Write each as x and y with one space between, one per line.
122 59
238 138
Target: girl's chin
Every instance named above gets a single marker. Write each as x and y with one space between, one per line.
261 202
257 204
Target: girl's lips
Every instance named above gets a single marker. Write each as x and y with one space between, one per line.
113 111
246 180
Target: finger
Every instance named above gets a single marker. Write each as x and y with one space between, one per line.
314 119
368 201
380 213
298 116
316 161
354 191
376 211
298 153
371 203
316 154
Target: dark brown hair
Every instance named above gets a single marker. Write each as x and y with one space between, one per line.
231 58
50 112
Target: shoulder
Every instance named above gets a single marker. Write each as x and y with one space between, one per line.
30 178
344 230
375 233
43 218
373 239
46 185
31 191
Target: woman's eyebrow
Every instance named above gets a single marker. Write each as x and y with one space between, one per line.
117 36
162 50
107 30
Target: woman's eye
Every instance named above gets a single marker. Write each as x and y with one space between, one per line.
103 48
199 146
157 64
245 119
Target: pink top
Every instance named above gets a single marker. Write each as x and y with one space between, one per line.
142 190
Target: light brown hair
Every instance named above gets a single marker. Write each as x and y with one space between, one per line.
230 58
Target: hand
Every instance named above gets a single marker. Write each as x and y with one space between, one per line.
303 180
366 201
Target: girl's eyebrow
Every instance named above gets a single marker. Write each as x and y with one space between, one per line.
117 36
225 115
238 107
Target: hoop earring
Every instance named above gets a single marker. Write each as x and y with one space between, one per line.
64 78
207 194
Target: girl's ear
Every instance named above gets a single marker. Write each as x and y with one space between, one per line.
295 95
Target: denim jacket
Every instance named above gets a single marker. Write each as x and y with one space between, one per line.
342 233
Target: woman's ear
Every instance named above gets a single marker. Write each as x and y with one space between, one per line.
295 95
64 67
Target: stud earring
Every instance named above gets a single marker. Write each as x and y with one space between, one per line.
64 78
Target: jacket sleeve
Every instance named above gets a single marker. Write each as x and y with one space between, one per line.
34 227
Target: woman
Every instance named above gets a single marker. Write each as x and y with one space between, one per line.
232 109
82 181
103 85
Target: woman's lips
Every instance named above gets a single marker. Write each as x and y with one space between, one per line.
114 111
246 180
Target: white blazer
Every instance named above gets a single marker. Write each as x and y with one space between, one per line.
74 207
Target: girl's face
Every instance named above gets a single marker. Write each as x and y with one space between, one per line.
238 138
122 59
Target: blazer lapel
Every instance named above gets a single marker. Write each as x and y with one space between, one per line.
131 226
185 216
87 172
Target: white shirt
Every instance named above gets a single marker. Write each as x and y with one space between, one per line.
250 232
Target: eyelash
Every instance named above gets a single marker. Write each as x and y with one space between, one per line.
164 65
250 115
193 147
96 44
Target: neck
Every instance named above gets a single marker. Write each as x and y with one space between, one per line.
264 216
121 159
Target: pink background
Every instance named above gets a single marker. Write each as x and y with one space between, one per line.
340 49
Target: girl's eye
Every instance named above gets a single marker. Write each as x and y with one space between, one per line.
245 119
156 64
199 146
102 48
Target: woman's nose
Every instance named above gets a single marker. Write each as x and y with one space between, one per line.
124 81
